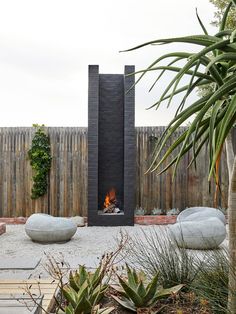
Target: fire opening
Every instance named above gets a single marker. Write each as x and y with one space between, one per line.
111 204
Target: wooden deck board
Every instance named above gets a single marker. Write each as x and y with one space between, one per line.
29 281
15 288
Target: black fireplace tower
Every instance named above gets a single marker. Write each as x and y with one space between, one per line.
111 146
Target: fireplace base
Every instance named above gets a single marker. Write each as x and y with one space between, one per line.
100 212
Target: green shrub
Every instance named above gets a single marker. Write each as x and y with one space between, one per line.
40 160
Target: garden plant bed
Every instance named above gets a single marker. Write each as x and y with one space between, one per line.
182 303
86 248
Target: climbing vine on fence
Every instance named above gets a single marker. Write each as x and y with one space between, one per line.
40 160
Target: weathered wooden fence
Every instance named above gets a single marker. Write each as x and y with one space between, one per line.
190 187
67 192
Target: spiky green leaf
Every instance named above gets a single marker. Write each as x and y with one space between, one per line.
169 291
69 309
70 295
126 303
151 289
132 278
105 310
83 306
224 19
141 291
131 293
201 24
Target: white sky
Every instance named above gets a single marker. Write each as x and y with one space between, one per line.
47 45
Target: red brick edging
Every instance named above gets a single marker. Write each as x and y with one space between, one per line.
140 220
155 219
13 221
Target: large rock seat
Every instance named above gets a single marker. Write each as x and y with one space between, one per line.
199 228
200 213
44 228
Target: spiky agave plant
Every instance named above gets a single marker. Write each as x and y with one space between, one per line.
84 290
214 63
137 293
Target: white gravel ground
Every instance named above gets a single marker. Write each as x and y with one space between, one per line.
86 247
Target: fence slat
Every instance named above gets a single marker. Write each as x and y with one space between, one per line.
67 191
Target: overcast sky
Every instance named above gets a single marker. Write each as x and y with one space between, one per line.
47 45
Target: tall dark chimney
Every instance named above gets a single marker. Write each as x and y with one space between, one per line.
111 145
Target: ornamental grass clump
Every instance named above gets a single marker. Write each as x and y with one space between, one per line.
40 160
212 282
155 252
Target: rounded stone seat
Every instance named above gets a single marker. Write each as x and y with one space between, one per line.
48 229
199 228
199 213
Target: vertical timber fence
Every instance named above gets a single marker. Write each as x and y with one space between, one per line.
67 190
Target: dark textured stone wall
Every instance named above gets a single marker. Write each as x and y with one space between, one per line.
111 137
93 100
111 145
129 145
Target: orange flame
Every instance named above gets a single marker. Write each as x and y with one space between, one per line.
110 198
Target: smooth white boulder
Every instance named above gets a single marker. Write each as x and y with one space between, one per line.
48 229
199 228
78 220
201 234
200 213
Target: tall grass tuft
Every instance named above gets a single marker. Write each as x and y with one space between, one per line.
155 252
203 272
211 283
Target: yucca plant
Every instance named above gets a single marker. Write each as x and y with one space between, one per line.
84 291
215 62
137 293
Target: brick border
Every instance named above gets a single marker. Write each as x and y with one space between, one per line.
140 220
13 221
155 220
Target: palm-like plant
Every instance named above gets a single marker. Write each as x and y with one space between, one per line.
214 63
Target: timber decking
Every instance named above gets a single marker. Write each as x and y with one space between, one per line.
11 290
